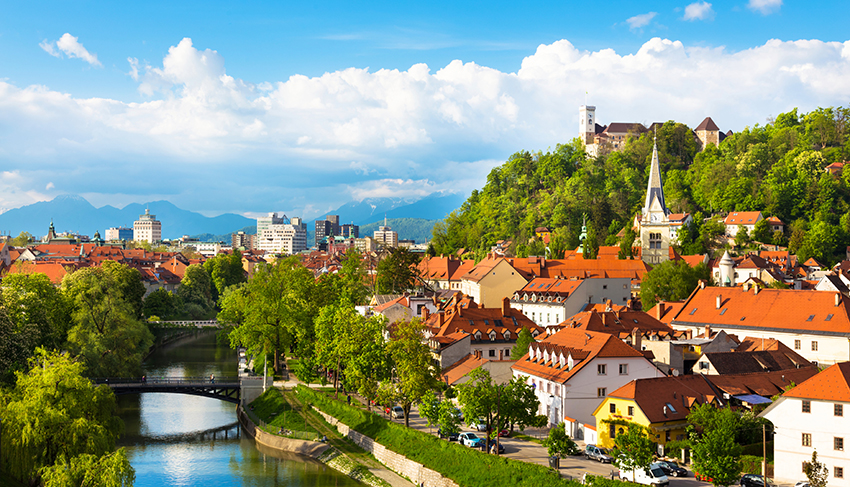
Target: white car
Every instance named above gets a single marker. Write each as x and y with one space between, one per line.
655 478
398 412
470 440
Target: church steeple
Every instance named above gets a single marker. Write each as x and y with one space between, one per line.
655 186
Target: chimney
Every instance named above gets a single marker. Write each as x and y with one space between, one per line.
689 334
636 339
719 300
755 289
608 307
506 307
837 299
441 319
660 311
425 313
708 331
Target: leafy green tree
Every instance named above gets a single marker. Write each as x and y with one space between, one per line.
276 309
501 405
107 334
349 284
196 288
559 444
160 303
671 281
128 280
716 454
633 449
742 238
21 240
414 373
397 272
626 244
54 418
816 472
523 340
590 246
33 313
367 362
225 270
761 231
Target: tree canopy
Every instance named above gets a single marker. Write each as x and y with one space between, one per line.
671 281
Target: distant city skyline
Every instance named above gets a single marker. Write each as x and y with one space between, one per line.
219 107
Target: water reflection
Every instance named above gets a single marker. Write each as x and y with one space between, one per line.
183 440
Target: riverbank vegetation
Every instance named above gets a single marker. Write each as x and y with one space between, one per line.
467 467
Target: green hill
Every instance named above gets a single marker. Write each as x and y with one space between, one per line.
778 168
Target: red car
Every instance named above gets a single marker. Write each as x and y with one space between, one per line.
504 433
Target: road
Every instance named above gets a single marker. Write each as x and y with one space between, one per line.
528 451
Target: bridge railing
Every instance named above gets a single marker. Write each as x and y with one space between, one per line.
164 380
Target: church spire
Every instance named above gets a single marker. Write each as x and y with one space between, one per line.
655 187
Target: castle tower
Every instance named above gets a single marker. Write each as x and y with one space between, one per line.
655 223
727 270
586 123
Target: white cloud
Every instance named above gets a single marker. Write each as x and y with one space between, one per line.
134 68
642 20
409 131
765 7
72 48
49 186
699 11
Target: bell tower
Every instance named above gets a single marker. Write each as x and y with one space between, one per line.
586 123
655 221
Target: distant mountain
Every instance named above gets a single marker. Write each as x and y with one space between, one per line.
417 229
72 213
225 237
433 207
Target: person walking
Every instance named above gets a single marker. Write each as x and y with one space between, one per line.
212 378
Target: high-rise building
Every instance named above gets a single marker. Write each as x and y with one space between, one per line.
147 228
279 235
242 240
119 233
349 230
328 226
385 236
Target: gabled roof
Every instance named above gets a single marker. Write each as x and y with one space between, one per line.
583 346
483 268
663 399
774 220
462 367
742 218
744 362
624 127
469 320
820 312
707 124
833 384
618 322
765 384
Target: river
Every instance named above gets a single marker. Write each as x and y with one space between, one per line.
183 440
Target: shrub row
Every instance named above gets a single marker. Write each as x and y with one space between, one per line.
467 467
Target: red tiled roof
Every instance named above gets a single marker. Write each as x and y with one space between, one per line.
833 384
707 124
664 399
742 218
454 372
618 322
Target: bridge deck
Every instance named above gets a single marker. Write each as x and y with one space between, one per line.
225 388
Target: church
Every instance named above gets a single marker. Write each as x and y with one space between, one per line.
654 224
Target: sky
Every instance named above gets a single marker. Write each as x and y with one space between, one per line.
251 107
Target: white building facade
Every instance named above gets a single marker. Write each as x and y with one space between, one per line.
147 228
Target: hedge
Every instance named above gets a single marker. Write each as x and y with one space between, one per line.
467 467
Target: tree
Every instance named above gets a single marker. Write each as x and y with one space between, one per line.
626 244
815 471
742 238
523 340
225 270
559 444
590 246
106 332
761 231
160 303
21 240
128 280
196 288
276 309
716 454
671 281
633 449
367 362
397 272
55 417
414 373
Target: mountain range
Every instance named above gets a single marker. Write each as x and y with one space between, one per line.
71 213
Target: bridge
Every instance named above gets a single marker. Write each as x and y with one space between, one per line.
223 388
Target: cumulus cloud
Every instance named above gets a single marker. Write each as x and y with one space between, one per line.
765 7
72 48
699 11
49 186
640 21
409 132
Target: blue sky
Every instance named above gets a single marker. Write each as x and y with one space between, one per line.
300 107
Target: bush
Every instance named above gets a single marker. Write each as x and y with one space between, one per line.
752 464
467 467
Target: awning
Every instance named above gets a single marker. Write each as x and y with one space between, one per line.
752 399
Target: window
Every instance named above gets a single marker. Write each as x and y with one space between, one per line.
797 344
810 318
703 365
612 431
839 472
807 439
547 318
828 318
507 352
838 443
601 369
655 240
631 410
839 410
549 387
601 392
612 408
624 369
814 346
807 406
604 286
492 353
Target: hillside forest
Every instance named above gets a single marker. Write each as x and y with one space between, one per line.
777 168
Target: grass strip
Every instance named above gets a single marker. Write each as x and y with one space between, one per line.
467 467
273 408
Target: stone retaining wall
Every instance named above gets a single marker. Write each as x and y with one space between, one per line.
416 472
313 449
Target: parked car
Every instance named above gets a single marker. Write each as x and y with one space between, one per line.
593 452
655 477
492 448
470 440
504 433
450 436
458 414
479 425
671 469
398 412
802 483
754 480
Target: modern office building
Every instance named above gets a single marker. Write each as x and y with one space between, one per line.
147 228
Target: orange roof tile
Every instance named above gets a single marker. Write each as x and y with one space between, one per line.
742 218
833 384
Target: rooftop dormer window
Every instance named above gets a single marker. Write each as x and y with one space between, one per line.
507 335
492 336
